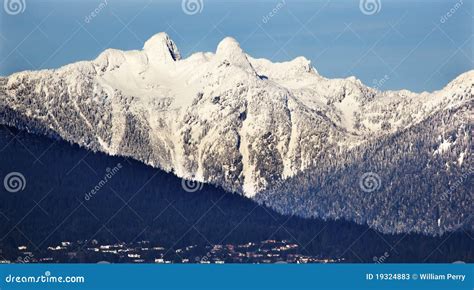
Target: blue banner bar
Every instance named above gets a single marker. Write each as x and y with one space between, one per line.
210 277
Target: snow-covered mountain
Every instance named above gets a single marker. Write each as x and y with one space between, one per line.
228 119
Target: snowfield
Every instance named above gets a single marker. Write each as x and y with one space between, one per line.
224 118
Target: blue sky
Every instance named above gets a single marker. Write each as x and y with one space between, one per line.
405 42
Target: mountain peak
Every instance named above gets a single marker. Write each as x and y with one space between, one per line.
229 49
229 45
264 129
464 80
161 47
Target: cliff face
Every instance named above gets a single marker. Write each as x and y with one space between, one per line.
249 125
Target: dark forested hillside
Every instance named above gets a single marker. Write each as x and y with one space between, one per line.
74 194
422 180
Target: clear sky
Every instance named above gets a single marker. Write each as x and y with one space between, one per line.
413 44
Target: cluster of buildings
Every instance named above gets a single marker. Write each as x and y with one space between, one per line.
269 251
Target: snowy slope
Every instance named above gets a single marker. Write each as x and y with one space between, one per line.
224 118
